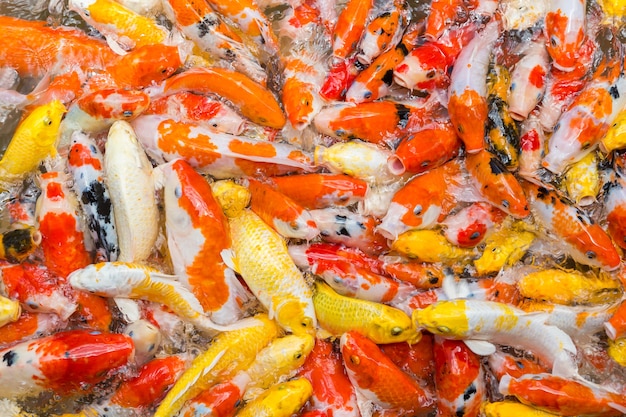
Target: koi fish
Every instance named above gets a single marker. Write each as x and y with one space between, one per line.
30 326
459 379
378 380
85 164
262 259
229 353
131 187
383 31
563 396
221 400
615 137
470 226
380 323
280 400
16 245
491 322
501 364
429 246
467 104
198 239
34 140
10 311
512 408
528 80
333 394
585 241
66 362
443 15
532 141
505 246
615 326
417 360
285 216
300 96
146 339
565 32
350 27
615 210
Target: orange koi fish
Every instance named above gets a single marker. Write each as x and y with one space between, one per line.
220 154
565 32
563 396
29 326
221 400
496 184
443 14
66 362
422 201
425 150
467 103
585 241
200 23
501 364
383 31
304 76
350 27
470 225
417 360
378 379
459 379
188 107
286 216
333 394
254 101
317 191
198 238
150 384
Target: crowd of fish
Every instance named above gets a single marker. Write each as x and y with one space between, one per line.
313 207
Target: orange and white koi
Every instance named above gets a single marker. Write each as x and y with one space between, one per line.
482 323
422 201
528 80
123 28
425 150
351 280
333 394
459 378
501 363
189 107
383 31
615 326
66 362
304 75
565 32
131 187
126 280
615 208
496 184
340 225
563 396
286 216
585 241
211 34
470 225
467 103
95 112
85 164
30 325
378 380
219 154
317 191
145 335
443 15
198 238
350 27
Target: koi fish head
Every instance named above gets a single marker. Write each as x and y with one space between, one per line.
444 318
294 316
425 68
360 356
562 45
146 65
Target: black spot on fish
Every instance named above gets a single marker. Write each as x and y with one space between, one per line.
388 77
614 92
343 232
402 48
403 115
359 66
474 235
205 25
10 358
497 167
229 55
542 193
469 392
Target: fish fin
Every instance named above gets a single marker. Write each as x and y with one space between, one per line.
158 176
619 407
117 45
564 366
228 256
453 288
366 406
503 386
128 308
323 333
205 323
480 347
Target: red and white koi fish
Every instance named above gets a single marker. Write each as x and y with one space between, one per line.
378 380
532 139
285 216
317 191
200 23
198 238
333 394
470 225
424 150
350 27
66 362
189 107
467 103
223 399
496 183
501 363
417 360
340 225
85 164
422 201
563 396
459 378
528 80
30 326
565 32
585 241
352 280
219 154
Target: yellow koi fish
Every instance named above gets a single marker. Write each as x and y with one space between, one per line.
429 246
281 400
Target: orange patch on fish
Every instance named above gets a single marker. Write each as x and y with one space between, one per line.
468 113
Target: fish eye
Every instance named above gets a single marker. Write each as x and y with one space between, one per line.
443 329
417 210
47 121
591 254
396 331
294 226
554 41
355 359
164 71
127 113
297 355
306 322
430 74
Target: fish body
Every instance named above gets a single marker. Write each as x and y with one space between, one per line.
532 140
86 165
317 191
378 322
615 326
131 187
383 31
65 362
512 408
505 246
221 400
29 326
501 364
350 27
565 32
429 246
300 96
615 209
280 400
